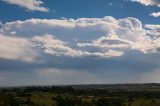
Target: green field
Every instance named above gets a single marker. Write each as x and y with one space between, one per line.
46 99
69 96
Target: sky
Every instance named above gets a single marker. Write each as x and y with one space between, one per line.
60 42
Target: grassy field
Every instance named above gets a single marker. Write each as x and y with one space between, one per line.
46 99
43 99
69 96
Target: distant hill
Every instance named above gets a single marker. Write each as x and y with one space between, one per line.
118 86
145 86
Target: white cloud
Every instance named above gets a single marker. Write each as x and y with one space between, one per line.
157 14
148 2
152 26
62 44
14 48
103 37
54 46
128 35
153 30
33 5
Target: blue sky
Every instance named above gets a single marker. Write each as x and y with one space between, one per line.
81 8
45 42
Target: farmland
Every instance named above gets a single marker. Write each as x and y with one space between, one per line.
82 95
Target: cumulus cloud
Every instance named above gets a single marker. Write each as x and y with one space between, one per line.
14 48
54 46
152 26
128 35
102 37
157 14
148 2
33 5
153 30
